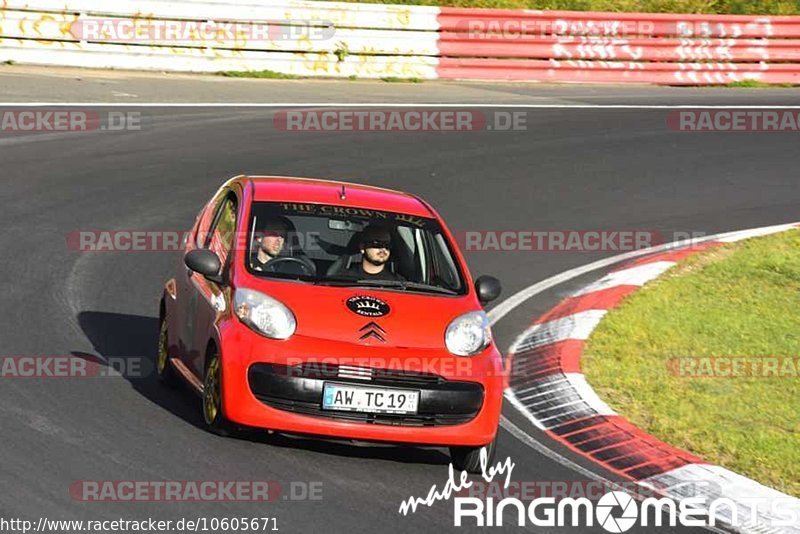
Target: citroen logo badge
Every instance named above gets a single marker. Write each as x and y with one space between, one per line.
372 330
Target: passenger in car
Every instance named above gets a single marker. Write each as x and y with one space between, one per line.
375 243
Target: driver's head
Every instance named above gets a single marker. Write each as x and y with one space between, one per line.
375 244
273 236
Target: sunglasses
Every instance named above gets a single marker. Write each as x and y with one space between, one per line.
377 244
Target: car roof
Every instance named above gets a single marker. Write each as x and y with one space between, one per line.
316 191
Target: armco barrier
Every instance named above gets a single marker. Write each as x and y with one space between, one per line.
567 46
369 40
310 38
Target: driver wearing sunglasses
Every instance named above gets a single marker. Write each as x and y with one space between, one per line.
375 244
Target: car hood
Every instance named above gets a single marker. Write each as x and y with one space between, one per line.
369 317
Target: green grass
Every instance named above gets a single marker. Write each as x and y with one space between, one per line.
269 74
741 299
272 75
755 84
751 7
395 79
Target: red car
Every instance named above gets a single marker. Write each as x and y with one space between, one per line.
333 309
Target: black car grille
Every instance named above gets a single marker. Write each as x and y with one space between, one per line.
307 408
299 389
376 376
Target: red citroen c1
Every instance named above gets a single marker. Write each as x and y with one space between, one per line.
333 309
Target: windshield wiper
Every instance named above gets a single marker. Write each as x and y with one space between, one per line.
399 284
428 288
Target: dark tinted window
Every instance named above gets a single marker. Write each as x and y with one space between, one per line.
329 240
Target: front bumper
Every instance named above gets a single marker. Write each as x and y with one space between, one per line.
459 405
299 389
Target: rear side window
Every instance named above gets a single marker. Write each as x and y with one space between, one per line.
223 235
206 218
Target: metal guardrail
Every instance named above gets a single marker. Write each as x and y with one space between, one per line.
294 37
310 38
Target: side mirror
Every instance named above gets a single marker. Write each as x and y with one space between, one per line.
205 262
488 288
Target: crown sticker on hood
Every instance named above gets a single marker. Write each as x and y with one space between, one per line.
368 306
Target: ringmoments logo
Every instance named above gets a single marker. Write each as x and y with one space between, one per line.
617 511
607 504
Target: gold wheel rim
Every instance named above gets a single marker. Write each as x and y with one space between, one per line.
211 398
161 360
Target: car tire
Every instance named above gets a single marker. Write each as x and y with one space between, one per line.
213 413
165 371
469 458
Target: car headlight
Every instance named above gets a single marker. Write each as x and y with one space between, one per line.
468 334
264 314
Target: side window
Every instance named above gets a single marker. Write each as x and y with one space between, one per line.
444 266
206 218
410 262
223 234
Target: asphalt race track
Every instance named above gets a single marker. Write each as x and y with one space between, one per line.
572 169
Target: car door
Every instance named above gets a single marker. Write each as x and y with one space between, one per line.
211 298
186 293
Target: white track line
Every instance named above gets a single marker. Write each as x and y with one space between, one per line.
634 276
576 326
508 305
520 434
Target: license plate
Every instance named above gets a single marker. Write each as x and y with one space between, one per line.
369 399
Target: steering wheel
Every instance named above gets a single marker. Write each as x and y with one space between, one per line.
273 266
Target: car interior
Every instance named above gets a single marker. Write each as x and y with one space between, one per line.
327 247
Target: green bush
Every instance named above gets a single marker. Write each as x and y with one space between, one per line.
741 7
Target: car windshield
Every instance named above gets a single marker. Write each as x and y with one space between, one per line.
336 245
